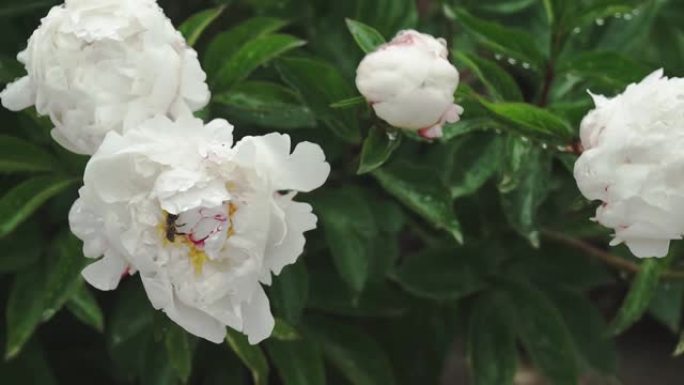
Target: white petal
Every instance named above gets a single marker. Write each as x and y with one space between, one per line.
196 322
105 273
18 95
258 320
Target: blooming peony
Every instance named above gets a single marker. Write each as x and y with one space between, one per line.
96 66
203 222
410 83
633 163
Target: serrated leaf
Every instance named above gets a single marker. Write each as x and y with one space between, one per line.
349 102
298 362
179 351
377 149
252 55
545 336
290 291
227 43
17 155
321 85
421 190
64 273
357 356
25 198
498 82
439 274
640 294
250 355
83 305
367 37
491 342
196 24
387 16
531 121
514 43
265 104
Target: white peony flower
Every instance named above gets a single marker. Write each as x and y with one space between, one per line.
410 83
633 162
203 222
96 66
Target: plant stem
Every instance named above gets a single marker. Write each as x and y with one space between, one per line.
606 257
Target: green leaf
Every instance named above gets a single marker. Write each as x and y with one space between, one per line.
514 43
130 330
290 291
607 69
179 351
320 85
329 294
357 356
298 362
25 198
265 104
10 69
524 186
421 190
545 336
666 304
24 309
498 82
377 149
21 249
283 331
38 293
528 120
84 306
473 160
349 102
30 368
251 56
367 37
439 274
541 328
251 355
196 24
465 126
63 274
349 228
640 294
17 155
588 329
227 43
491 342
388 16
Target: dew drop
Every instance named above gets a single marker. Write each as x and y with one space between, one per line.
618 15
526 65
544 146
628 16
577 30
525 139
498 56
636 11
600 22
498 131
392 135
512 61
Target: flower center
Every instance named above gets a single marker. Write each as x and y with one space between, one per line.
202 230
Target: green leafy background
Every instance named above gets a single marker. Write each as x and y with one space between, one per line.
477 245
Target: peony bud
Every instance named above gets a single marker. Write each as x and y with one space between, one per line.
633 163
96 66
410 83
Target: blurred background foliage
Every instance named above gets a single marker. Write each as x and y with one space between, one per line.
476 248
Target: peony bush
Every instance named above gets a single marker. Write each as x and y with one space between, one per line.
364 192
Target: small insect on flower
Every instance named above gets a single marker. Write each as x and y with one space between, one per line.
170 228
